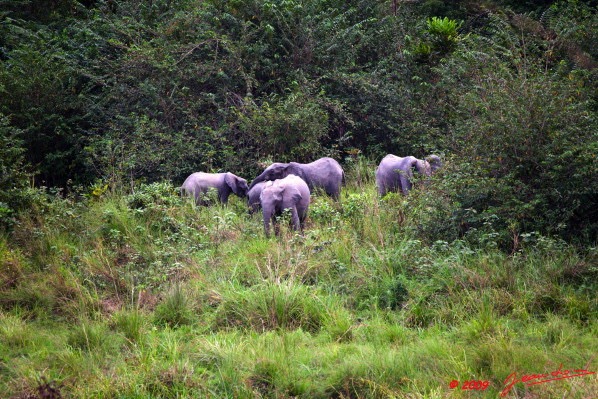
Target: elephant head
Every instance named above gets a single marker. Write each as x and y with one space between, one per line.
422 167
435 162
279 171
237 184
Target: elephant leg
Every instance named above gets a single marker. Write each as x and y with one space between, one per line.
404 185
223 199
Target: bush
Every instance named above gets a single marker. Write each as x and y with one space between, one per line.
287 128
161 194
524 141
444 32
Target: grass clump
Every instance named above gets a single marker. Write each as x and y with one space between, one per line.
91 337
176 309
271 306
131 323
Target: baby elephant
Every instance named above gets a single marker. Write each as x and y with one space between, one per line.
198 184
288 193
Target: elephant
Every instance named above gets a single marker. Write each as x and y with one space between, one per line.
325 173
435 162
291 193
396 173
198 184
253 197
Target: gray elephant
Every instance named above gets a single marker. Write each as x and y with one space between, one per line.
198 184
288 193
435 162
396 173
253 197
325 173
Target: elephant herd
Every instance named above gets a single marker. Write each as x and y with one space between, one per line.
283 186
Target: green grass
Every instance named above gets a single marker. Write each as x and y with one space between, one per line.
147 295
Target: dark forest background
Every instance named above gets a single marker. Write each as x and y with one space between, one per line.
104 95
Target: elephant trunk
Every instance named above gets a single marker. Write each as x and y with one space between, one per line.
267 215
295 219
257 180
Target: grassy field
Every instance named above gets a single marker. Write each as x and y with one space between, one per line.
145 295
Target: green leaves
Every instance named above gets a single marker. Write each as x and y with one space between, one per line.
528 132
290 127
443 30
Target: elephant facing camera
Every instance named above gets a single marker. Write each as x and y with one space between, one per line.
290 194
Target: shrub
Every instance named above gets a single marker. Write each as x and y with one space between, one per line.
153 195
524 141
444 31
289 127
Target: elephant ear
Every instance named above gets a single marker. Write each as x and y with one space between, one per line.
294 194
280 171
231 181
277 192
271 190
296 169
422 167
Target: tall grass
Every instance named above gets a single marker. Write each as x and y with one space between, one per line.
147 295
